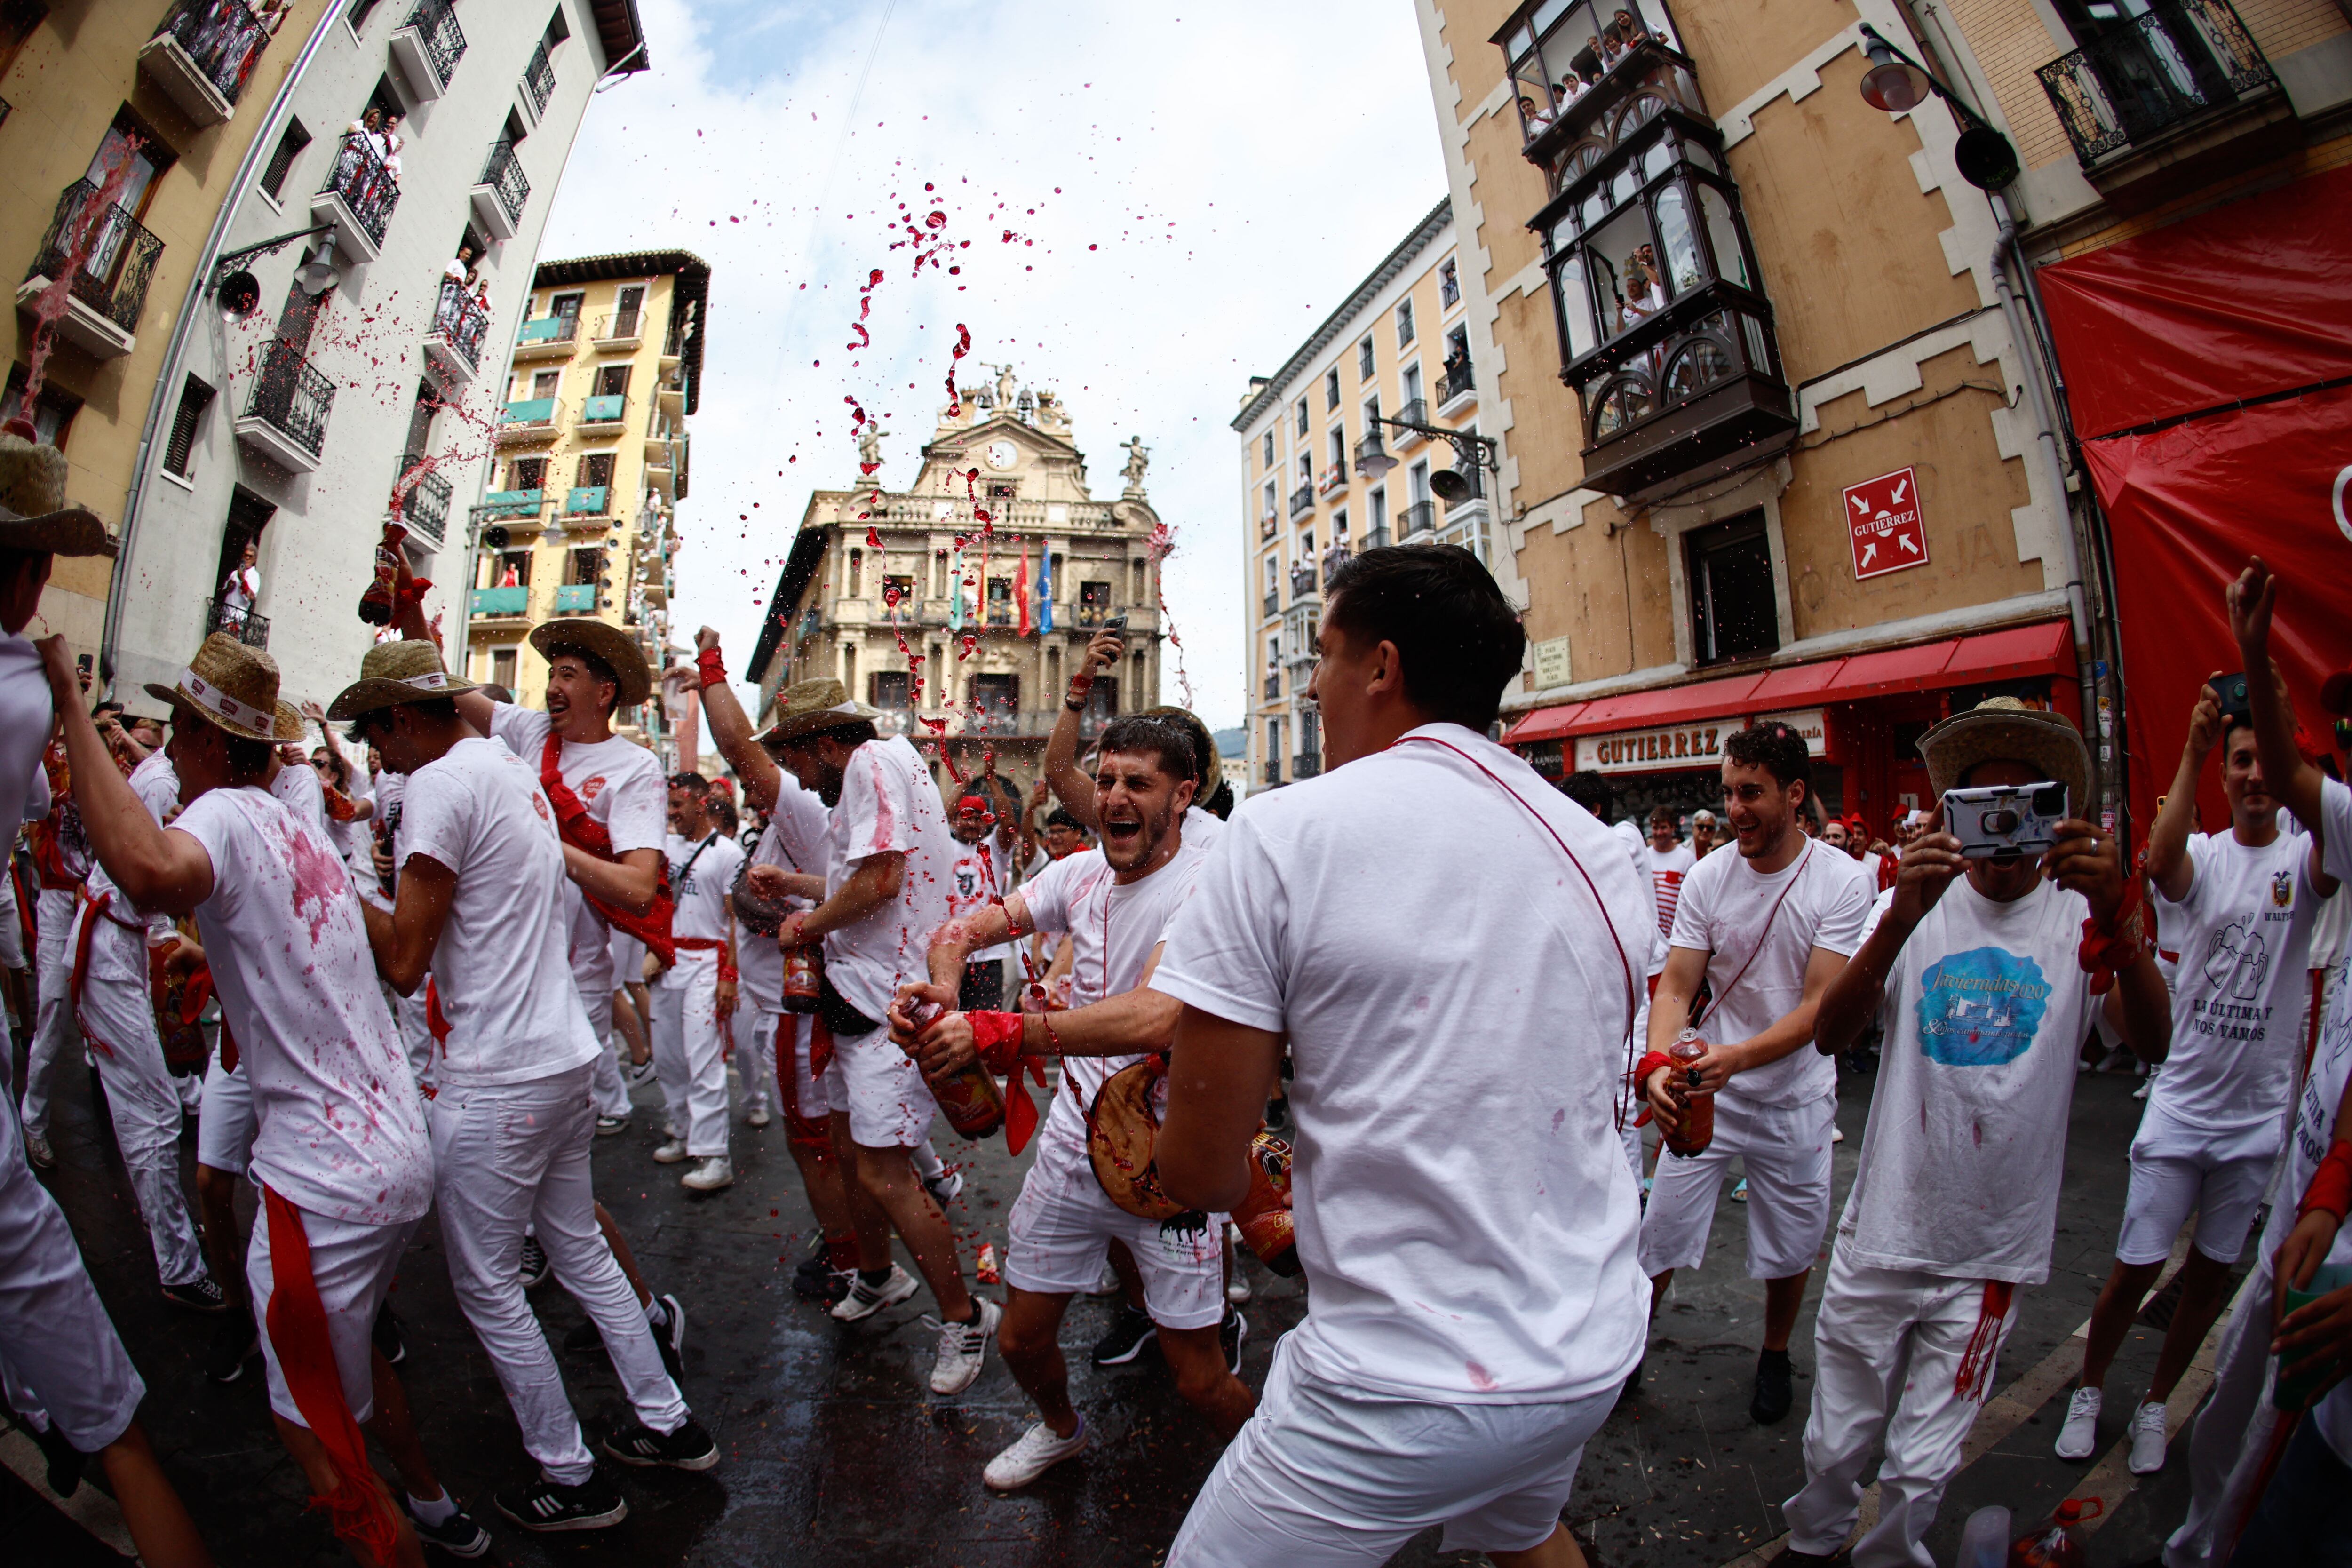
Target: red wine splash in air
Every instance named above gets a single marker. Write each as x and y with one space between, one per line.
80 237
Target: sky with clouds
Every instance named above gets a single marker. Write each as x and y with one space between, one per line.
1193 187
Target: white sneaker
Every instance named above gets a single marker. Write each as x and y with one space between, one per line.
710 1172
2080 1433
1837 1134
863 1300
1237 1289
671 1153
36 1150
2148 1439
1037 1451
962 1347
758 1115
944 1187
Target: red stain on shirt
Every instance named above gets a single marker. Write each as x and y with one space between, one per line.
318 882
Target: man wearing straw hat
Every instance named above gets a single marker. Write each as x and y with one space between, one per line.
479 906
340 1154
67 1374
1985 967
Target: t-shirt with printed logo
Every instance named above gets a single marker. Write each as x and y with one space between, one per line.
701 875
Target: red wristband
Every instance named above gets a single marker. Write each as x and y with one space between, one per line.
713 670
996 1036
2113 946
727 973
1651 1062
2331 1185
414 593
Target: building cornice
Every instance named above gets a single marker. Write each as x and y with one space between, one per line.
693 287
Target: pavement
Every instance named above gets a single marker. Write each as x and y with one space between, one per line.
837 1453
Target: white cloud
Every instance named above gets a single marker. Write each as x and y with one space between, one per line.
1207 182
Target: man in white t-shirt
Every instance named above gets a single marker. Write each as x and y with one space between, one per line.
2238 907
1973 968
61 863
1476 1301
480 909
886 857
340 1154
1670 860
1116 903
2306 1513
693 1000
976 882
1767 929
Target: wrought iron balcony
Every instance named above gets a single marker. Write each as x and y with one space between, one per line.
501 192
1415 412
1274 601
588 500
1458 379
420 498
1274 686
1302 500
1306 764
1268 523
110 259
429 46
1376 538
1274 770
203 55
547 337
1302 581
247 628
286 417
498 603
530 419
608 408
575 597
619 329
358 197
460 323
1418 517
2151 73
538 78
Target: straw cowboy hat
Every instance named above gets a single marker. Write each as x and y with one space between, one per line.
406 670
33 511
806 707
605 643
289 725
2003 728
229 686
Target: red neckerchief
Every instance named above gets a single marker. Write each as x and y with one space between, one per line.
585 833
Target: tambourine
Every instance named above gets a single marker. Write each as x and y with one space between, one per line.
1122 1126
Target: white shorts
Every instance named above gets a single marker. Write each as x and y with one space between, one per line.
226 1128
1786 1149
811 1097
2175 1169
1324 1477
889 1105
628 960
1062 1226
353 1264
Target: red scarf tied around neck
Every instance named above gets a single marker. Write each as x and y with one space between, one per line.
584 833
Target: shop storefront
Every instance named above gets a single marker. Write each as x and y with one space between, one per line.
1861 716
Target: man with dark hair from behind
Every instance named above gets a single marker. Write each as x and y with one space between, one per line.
1766 929
1479 1302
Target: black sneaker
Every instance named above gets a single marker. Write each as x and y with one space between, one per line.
198 1295
688 1448
1774 1388
236 1345
386 1335
535 1266
1230 1334
812 1280
609 1126
65 1460
1633 1378
595 1504
669 1337
1277 1114
459 1535
1130 1330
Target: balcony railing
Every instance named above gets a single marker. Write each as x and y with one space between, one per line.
1274 770
425 508
1302 500
1415 412
461 322
1302 580
1418 517
1458 379
1273 601
203 53
538 78
291 397
487 602
619 327
2162 68
368 189
512 503
1274 686
249 628
531 416
439 39
1376 538
610 408
111 255
576 597
502 178
588 500
1268 523
546 332
1306 764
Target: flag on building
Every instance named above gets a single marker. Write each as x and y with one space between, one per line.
955 600
1044 588
1021 589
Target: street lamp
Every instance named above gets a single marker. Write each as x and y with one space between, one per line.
1898 84
1471 452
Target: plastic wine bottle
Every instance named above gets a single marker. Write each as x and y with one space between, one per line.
1695 1130
968 1094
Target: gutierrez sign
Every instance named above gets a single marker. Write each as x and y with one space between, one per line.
1677 747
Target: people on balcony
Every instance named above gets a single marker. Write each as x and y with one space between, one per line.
242 588
1536 119
370 158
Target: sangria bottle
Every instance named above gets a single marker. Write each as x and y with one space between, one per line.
2057 1544
974 1106
803 978
376 605
1694 1128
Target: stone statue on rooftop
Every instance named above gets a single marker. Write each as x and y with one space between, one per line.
1138 458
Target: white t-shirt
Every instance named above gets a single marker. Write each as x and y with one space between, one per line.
888 804
157 785
26 715
1667 869
2323 1090
2243 934
1722 913
701 875
298 786
1985 1008
974 880
1113 930
795 840
347 835
342 1132
500 971
623 787
1456 1002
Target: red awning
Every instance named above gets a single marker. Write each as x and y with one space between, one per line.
2047 647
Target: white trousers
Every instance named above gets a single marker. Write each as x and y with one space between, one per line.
2233 1432
118 1019
1327 1477
53 1028
61 1360
690 1052
755 1051
516 1154
607 1090
1786 1151
1887 1345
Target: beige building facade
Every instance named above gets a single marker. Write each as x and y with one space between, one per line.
966 634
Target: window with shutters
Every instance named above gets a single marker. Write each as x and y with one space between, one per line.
596 469
584 568
281 161
527 473
179 449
